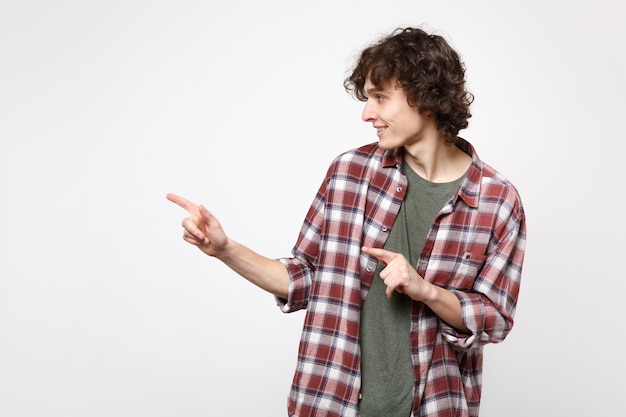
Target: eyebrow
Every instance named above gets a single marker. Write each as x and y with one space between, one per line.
374 90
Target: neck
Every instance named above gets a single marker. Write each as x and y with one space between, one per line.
437 161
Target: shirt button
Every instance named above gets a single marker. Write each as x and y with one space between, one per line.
384 229
399 189
369 269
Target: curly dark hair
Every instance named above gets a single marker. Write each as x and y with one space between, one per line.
426 68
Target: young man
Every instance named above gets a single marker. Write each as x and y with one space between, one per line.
410 257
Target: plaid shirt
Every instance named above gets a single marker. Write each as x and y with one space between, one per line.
475 249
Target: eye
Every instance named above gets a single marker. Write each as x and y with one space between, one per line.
380 98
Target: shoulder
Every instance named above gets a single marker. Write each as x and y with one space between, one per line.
355 161
489 186
365 159
361 154
496 184
501 201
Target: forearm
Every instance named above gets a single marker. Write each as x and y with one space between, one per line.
266 273
446 305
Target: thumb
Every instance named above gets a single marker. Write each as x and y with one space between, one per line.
206 214
208 217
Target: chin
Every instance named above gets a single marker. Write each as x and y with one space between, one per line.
386 145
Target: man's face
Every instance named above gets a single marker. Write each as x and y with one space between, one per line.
397 124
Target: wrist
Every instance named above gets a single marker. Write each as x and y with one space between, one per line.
431 294
226 250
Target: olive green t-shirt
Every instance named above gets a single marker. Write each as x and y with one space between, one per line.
386 366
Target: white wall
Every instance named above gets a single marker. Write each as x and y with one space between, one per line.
105 106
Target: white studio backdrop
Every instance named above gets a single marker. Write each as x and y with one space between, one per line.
107 106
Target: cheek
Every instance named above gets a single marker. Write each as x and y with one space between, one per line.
413 124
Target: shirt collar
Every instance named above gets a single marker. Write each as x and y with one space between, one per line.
393 157
470 188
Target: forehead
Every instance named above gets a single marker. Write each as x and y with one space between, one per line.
389 86
369 85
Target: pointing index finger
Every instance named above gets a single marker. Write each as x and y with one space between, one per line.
180 201
383 255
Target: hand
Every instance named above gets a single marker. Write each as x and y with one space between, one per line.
399 275
202 229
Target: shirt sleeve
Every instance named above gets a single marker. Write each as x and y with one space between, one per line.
488 309
305 254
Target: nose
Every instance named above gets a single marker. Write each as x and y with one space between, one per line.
368 114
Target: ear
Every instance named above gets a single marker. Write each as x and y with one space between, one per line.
426 112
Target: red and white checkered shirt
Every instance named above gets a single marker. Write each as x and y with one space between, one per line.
475 249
